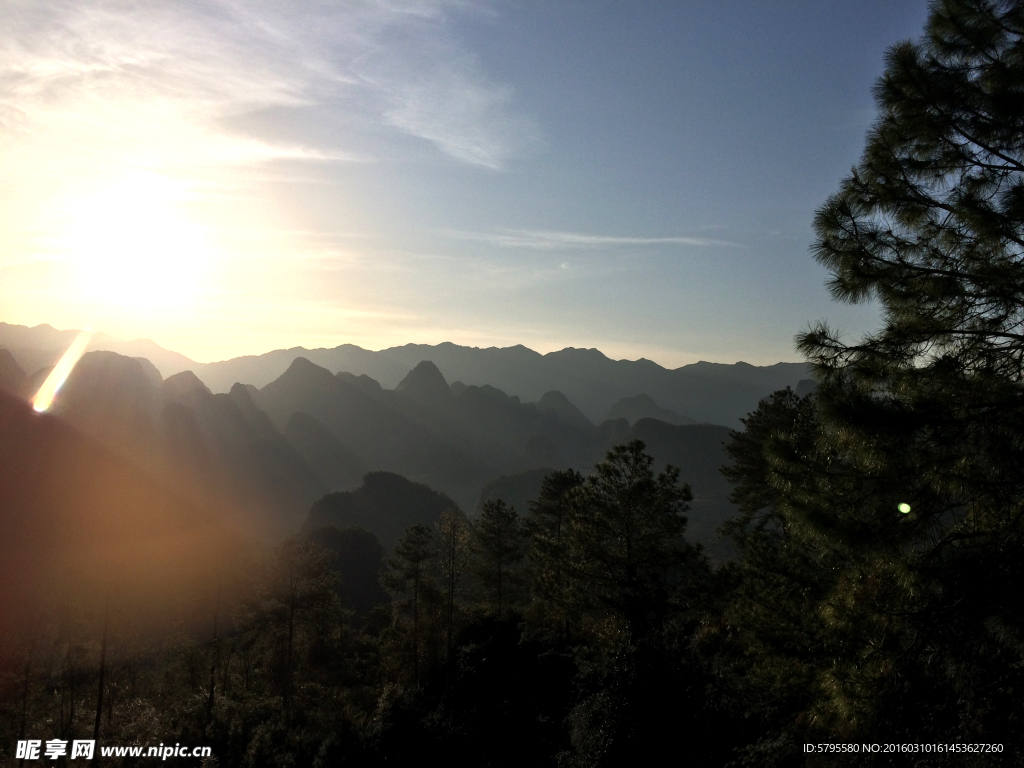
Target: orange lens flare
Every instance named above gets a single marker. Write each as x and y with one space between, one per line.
44 397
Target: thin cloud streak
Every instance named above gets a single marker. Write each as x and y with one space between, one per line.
542 240
154 84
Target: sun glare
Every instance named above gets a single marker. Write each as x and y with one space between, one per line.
132 247
48 391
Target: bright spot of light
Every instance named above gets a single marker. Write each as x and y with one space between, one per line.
132 247
44 397
904 508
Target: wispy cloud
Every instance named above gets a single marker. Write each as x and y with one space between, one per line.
542 240
88 84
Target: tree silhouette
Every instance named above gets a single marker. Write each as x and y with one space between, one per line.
453 538
407 576
892 506
625 537
499 546
548 526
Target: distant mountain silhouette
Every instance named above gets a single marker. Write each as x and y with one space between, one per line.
632 409
42 345
340 467
383 438
566 411
385 504
426 384
714 393
276 449
216 449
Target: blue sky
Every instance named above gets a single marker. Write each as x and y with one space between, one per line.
232 177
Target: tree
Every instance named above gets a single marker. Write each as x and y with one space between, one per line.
453 549
297 607
904 488
499 546
632 574
407 575
769 644
548 526
625 537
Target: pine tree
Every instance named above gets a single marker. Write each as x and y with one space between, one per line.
632 575
407 576
548 526
625 537
453 539
499 546
903 488
296 607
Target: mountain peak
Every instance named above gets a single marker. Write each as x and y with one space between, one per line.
425 382
182 383
301 368
563 407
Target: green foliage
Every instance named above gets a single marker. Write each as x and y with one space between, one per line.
548 525
849 619
625 538
453 542
408 576
499 546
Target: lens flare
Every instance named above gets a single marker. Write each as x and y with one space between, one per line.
44 397
904 508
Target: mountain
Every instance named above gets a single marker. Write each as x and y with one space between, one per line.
565 410
385 504
384 438
274 450
80 523
632 409
42 345
215 449
342 469
260 370
714 393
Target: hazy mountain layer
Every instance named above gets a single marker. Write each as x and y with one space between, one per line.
641 406
385 504
273 451
216 449
706 392
42 345
714 393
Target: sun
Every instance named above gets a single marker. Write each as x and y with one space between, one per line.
131 246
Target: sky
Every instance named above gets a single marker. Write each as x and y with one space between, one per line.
231 177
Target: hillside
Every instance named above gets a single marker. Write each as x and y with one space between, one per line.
79 521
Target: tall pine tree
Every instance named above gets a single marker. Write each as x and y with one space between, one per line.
904 489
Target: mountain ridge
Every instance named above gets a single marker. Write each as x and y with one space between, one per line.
720 393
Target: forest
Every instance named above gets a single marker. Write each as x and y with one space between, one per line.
871 595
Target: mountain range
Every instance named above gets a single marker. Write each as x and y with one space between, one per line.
273 450
715 393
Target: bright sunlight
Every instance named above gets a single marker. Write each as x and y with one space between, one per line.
133 248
